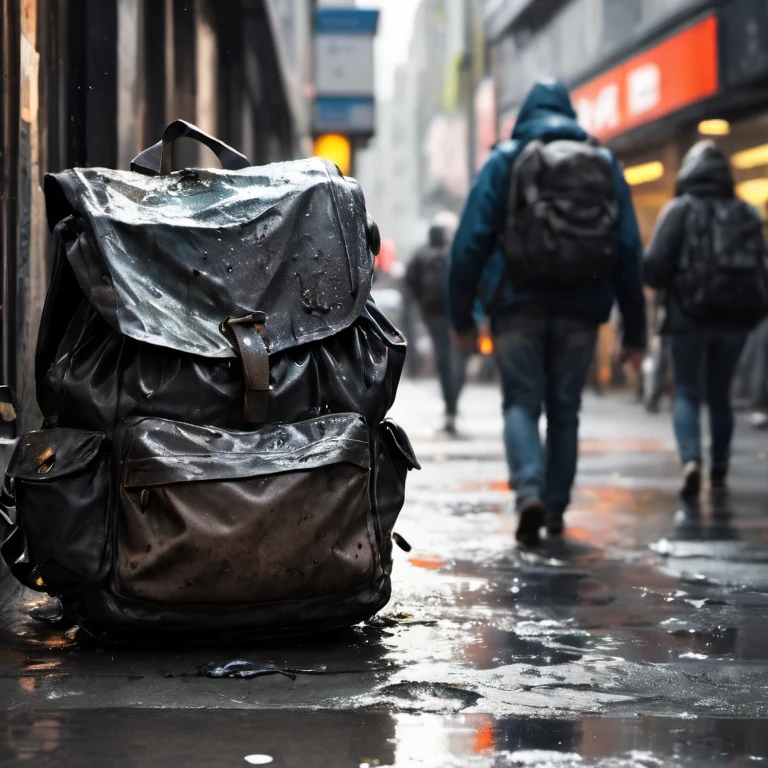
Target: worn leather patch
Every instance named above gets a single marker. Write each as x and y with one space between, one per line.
292 536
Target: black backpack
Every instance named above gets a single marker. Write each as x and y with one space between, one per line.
722 276
215 460
561 214
431 279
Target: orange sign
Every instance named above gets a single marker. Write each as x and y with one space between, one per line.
674 74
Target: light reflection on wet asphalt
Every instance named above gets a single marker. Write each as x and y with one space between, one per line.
639 641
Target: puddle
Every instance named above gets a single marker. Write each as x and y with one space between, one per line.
492 647
428 697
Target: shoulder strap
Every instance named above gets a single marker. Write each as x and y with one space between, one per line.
525 172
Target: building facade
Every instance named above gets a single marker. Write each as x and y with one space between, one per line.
424 156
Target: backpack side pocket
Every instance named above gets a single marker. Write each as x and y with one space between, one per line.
394 458
60 481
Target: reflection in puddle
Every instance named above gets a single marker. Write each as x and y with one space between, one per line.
428 562
321 739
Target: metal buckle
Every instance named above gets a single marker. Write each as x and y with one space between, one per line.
257 319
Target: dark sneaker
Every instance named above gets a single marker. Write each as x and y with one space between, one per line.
449 427
555 528
533 517
691 480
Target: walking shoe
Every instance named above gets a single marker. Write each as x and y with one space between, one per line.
533 516
555 527
691 480
449 426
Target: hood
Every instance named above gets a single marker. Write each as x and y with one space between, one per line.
547 112
705 172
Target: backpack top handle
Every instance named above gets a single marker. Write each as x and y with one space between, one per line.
150 161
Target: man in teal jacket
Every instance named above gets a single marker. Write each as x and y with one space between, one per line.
544 339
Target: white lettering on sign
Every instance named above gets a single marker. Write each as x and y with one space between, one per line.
643 89
586 113
607 110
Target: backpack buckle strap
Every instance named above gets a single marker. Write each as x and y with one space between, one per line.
248 337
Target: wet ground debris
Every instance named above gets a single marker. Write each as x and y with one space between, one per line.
247 670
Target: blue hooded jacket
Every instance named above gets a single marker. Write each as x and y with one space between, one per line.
477 268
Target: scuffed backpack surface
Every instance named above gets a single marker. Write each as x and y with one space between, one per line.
723 271
561 215
214 377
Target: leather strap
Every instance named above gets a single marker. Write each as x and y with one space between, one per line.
150 162
247 336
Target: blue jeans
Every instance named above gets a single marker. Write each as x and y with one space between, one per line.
544 361
451 364
720 352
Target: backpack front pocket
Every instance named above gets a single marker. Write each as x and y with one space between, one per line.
211 516
60 481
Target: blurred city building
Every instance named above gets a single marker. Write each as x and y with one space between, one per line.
423 156
92 82
648 79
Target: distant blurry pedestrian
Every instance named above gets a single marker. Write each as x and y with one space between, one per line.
426 279
708 258
547 240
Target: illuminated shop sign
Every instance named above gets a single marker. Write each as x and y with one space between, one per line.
668 77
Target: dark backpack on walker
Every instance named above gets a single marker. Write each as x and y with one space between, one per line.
722 277
561 215
215 460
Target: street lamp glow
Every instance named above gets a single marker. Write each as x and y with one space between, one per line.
714 127
751 158
337 149
642 174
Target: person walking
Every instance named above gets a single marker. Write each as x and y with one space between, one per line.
426 279
548 239
707 258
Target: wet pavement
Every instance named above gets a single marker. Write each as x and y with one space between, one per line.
640 640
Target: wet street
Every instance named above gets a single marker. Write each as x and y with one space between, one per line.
640 640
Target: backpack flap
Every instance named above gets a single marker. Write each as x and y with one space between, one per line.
166 259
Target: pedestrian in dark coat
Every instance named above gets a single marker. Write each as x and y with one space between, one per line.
705 177
544 337
426 278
